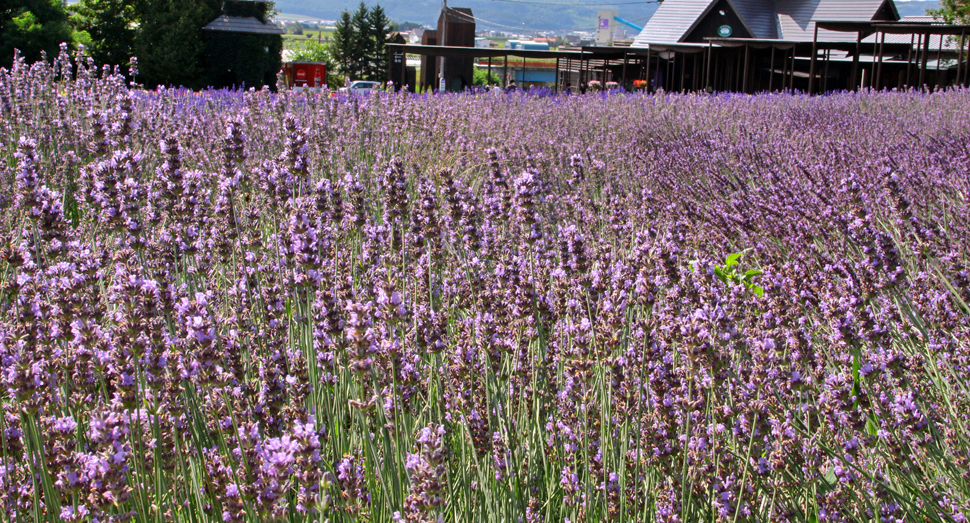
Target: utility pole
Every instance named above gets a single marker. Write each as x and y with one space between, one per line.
444 29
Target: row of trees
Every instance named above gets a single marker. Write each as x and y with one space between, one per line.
165 35
358 45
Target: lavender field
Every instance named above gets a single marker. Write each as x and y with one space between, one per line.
252 307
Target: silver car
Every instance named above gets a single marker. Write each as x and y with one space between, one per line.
361 87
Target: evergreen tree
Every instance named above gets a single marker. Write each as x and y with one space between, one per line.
33 26
342 42
111 26
379 27
359 43
362 48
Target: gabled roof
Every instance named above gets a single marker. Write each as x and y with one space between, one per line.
242 24
767 19
797 17
672 21
760 17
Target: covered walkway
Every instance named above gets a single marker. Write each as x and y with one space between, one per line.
748 65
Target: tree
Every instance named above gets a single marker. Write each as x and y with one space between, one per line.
482 77
342 44
33 26
311 51
363 46
952 11
379 25
111 26
358 45
169 44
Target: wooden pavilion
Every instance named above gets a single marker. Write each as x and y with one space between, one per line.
757 45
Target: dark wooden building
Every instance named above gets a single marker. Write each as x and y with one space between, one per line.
429 64
242 49
456 28
398 68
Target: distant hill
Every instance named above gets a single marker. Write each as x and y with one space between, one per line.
505 16
915 8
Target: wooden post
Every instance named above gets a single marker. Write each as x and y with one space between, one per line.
872 71
664 74
966 58
909 59
855 61
694 73
771 70
959 81
939 55
669 83
488 82
744 82
582 68
444 43
683 70
882 46
557 75
762 83
671 72
925 38
683 73
672 69
811 71
825 80
739 76
648 68
623 76
791 71
717 70
710 57
505 71
784 72
717 76
966 70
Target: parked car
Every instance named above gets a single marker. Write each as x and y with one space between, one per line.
361 87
